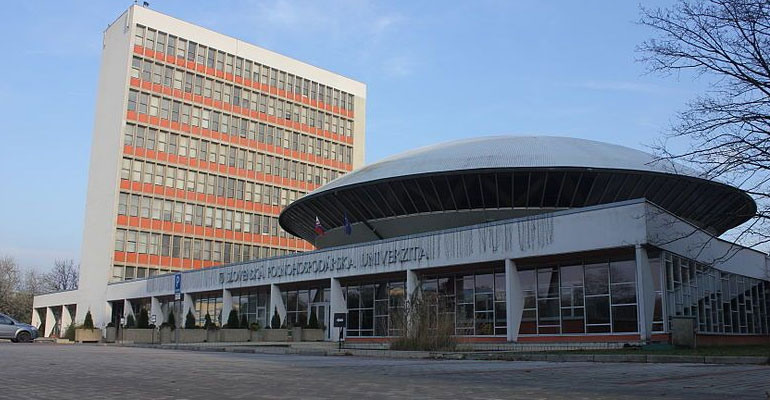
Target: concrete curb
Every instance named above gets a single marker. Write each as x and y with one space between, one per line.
492 355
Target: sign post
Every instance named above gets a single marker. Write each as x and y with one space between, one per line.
177 303
153 318
340 320
177 287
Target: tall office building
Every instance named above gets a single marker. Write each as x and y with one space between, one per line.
199 141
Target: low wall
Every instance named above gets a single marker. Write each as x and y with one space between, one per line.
140 336
192 335
234 335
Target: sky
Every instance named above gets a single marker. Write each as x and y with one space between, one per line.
435 71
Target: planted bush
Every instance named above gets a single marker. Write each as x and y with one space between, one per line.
143 321
189 322
275 322
208 324
244 322
313 323
130 321
69 333
171 320
420 327
254 326
88 323
232 320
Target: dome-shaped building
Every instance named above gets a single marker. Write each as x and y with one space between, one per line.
484 179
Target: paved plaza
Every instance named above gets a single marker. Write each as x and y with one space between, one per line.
47 371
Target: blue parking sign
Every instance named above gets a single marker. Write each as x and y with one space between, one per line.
177 286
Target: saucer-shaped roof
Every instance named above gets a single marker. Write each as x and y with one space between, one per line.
521 174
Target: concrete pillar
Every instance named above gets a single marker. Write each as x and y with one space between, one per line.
276 302
412 291
107 313
50 321
36 319
227 306
412 284
337 304
514 301
645 293
187 305
156 311
66 318
128 310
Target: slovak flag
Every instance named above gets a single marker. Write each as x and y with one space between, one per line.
348 227
319 230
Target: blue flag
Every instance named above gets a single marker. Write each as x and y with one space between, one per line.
348 227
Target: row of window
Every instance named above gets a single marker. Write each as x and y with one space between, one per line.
129 272
166 245
253 303
135 205
301 303
475 303
208 183
225 154
231 64
372 308
582 296
209 88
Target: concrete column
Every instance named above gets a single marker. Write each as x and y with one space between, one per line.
227 306
514 301
156 311
50 321
337 304
66 318
412 284
128 310
107 313
412 291
187 305
276 302
645 293
36 319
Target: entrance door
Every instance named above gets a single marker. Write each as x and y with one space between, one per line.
322 313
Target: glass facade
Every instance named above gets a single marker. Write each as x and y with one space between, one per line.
474 300
298 305
370 307
581 296
208 303
721 302
563 295
254 303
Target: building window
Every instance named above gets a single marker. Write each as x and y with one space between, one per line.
582 296
371 308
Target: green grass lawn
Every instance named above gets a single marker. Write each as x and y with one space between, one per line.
748 350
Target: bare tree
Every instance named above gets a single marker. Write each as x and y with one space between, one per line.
726 131
9 283
63 276
17 290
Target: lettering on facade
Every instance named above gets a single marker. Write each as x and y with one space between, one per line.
329 264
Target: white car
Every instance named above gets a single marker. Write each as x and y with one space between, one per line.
15 330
